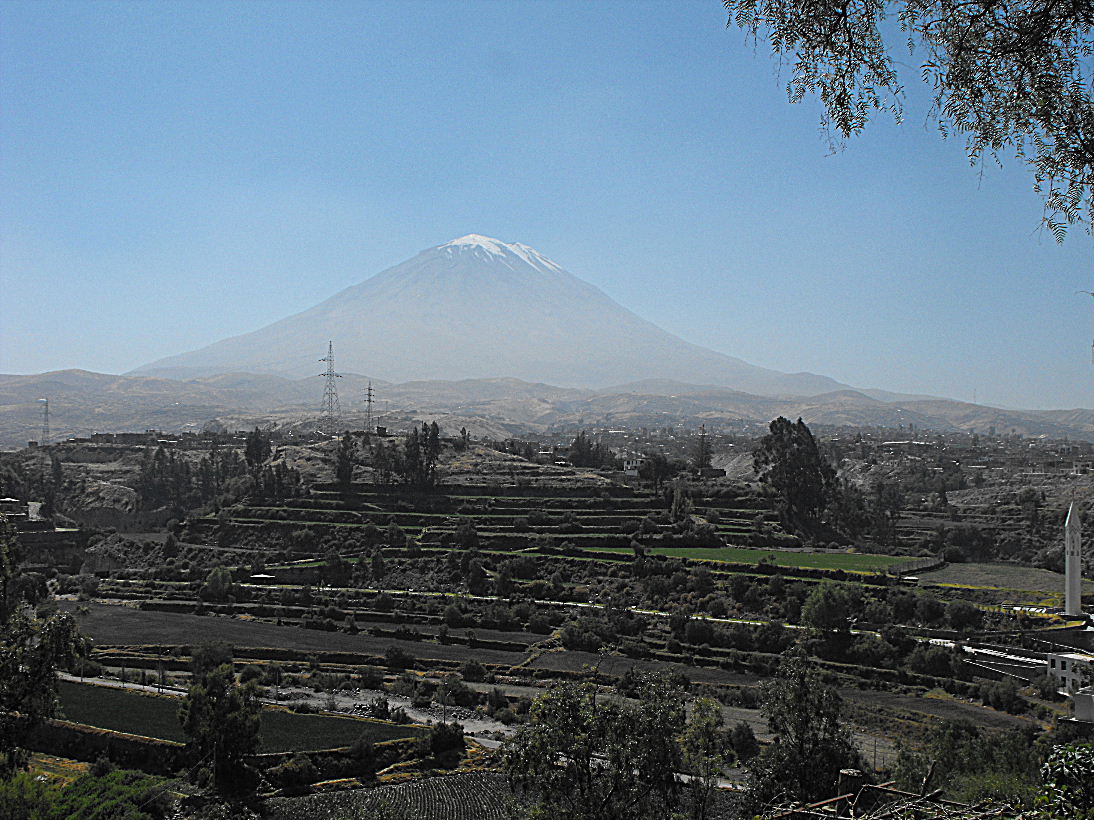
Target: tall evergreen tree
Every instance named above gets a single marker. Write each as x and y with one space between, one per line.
256 451
222 720
787 460
345 460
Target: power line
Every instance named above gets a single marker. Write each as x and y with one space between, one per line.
332 410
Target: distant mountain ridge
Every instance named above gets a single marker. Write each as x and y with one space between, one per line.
478 308
83 402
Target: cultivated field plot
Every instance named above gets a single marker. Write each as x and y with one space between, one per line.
576 661
1002 576
848 561
126 626
468 796
943 708
157 716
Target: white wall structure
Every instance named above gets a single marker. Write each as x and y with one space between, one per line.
1084 704
1073 566
1071 670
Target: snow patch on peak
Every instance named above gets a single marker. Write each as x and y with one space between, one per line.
474 240
533 257
495 247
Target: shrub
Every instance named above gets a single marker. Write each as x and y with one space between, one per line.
1003 695
370 677
539 625
445 742
296 773
119 795
397 658
473 671
930 660
962 615
453 616
102 766
23 795
743 741
87 668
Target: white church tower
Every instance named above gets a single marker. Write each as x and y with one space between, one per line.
1073 565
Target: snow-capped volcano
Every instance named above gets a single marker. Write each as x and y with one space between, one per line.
477 307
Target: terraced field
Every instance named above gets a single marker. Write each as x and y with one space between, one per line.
588 518
847 561
1002 576
467 796
120 625
157 716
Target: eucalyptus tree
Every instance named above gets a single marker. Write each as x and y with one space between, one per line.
1011 76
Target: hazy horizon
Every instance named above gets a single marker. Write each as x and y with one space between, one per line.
175 175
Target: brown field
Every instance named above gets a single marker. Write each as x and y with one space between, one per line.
125 626
615 665
922 707
1002 576
141 713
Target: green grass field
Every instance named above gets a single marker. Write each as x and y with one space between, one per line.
157 716
849 561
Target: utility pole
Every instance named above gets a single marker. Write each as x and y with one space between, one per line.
332 411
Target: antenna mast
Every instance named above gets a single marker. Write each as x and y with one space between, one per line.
368 407
45 421
703 460
332 411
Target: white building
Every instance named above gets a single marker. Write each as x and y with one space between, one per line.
1073 670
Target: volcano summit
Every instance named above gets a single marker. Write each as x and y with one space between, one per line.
477 307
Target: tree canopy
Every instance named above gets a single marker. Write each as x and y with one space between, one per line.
222 720
1010 75
31 651
345 459
787 459
584 756
811 743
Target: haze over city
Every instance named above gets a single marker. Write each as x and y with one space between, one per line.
178 174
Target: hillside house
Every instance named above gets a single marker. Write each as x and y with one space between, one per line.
1073 670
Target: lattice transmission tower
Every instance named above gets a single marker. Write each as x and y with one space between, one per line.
368 408
332 410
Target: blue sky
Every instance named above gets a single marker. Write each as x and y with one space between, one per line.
176 173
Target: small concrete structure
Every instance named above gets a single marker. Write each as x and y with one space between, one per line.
1084 704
